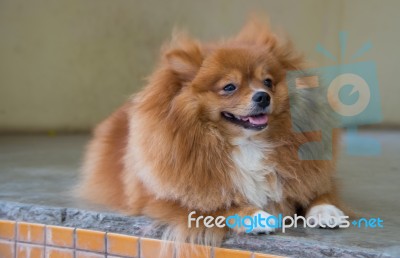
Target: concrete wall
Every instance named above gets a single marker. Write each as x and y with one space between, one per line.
379 22
66 64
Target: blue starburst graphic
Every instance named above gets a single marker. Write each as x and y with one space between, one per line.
352 93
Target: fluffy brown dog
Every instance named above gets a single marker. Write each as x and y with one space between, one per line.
212 133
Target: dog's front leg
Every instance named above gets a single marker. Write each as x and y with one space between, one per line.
324 211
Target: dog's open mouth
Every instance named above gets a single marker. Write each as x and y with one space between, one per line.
254 121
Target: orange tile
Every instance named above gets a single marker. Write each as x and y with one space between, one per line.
6 249
230 253
153 248
193 251
90 240
122 245
81 254
52 252
60 236
7 229
30 232
29 251
256 255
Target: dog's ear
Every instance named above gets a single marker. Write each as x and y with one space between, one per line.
256 31
183 56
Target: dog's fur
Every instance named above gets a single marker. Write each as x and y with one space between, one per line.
168 151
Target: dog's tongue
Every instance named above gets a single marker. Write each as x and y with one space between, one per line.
258 120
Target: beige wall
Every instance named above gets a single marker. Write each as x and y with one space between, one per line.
379 22
66 64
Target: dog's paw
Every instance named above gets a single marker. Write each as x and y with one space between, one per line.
325 216
263 228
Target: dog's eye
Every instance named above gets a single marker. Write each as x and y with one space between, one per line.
268 83
229 87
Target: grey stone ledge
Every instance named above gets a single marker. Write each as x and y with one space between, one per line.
144 227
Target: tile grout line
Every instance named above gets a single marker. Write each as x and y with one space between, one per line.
7 240
74 242
59 247
87 250
174 250
105 245
45 241
15 238
38 244
139 247
90 251
50 246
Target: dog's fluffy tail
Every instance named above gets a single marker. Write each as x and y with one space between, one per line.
189 242
172 220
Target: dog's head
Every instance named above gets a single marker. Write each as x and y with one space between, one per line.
239 83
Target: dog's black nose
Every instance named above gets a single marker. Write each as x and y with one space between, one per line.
262 99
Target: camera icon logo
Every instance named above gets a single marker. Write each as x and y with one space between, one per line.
349 93
359 86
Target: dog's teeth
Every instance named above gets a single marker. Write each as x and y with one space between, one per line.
228 115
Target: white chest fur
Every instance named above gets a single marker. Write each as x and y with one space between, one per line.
252 171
